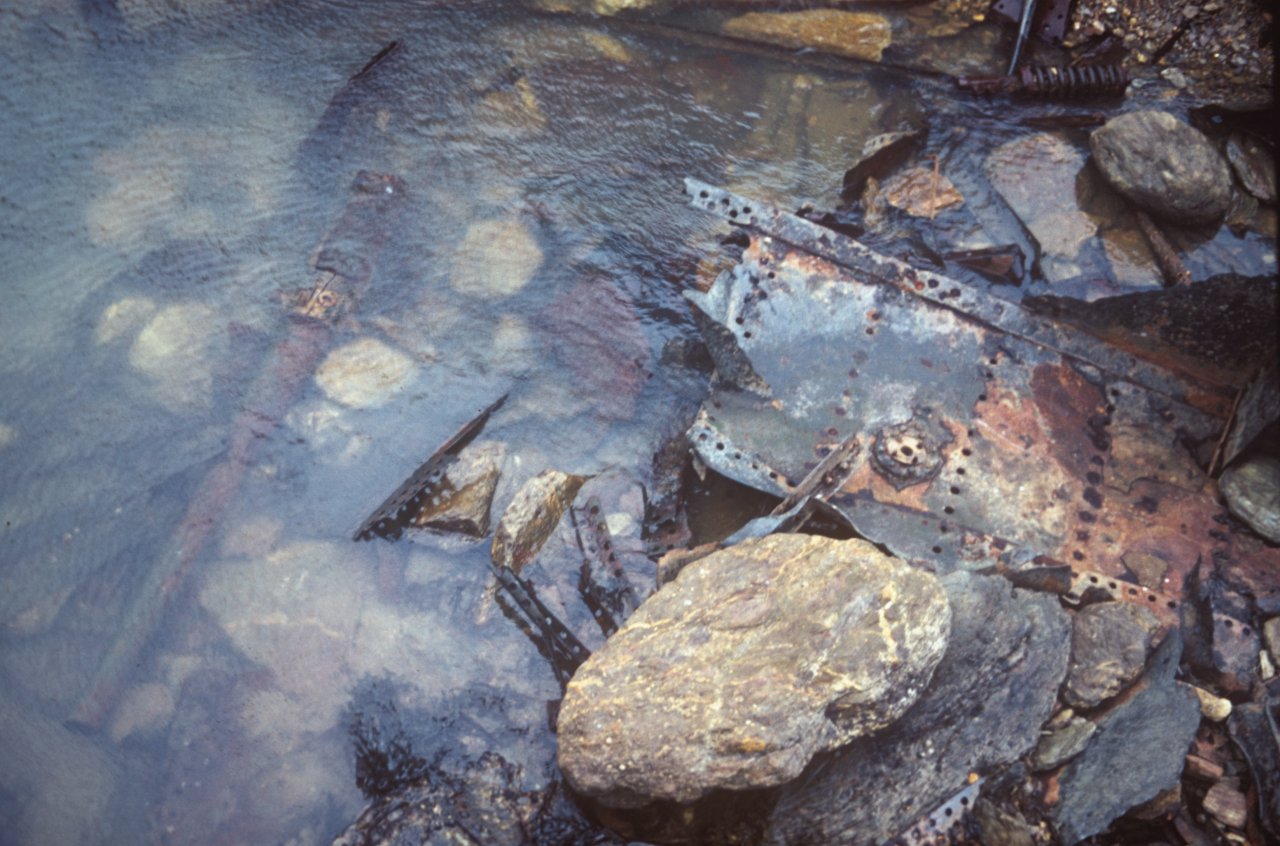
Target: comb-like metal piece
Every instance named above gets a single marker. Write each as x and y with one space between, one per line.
397 511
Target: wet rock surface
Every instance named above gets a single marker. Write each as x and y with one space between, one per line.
859 35
990 694
1109 643
1163 165
1146 738
1252 491
754 659
1062 742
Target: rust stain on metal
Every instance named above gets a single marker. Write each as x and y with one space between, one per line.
1031 439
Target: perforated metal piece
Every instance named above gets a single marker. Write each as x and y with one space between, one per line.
1043 442
940 825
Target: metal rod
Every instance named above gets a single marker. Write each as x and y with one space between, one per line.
1024 27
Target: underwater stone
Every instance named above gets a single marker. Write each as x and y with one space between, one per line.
858 35
754 659
177 350
364 374
495 259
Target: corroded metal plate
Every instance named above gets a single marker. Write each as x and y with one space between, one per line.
992 435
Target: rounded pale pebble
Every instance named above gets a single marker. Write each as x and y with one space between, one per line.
364 374
495 259
176 349
1212 708
144 710
123 317
8 434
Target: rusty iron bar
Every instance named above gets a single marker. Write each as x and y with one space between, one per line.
1171 267
338 284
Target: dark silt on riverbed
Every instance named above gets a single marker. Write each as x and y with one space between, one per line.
167 171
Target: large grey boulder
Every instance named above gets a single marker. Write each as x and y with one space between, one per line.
754 659
1163 165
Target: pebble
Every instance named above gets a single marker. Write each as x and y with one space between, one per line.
1212 708
123 317
496 258
365 373
144 710
177 350
1225 803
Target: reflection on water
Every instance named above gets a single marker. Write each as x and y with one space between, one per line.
167 180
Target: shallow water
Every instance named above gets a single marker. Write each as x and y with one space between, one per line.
166 180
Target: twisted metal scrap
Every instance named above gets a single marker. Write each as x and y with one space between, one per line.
993 436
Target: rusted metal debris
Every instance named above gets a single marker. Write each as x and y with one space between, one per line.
400 510
1032 442
1073 82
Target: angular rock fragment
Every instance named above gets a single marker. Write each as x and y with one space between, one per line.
991 693
1254 732
1164 166
532 516
1252 490
1062 743
754 659
1137 753
1109 643
460 501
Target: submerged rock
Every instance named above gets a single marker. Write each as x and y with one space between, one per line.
754 659
1137 752
1163 165
177 349
989 697
364 373
858 35
1252 490
1109 643
495 259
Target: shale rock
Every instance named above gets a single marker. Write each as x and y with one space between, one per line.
991 693
1137 753
1164 166
1109 643
531 518
754 659
1252 490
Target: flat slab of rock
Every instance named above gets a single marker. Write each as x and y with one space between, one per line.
1137 752
754 659
1163 165
991 693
